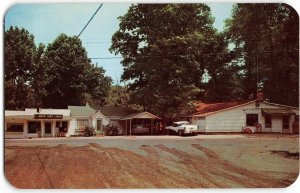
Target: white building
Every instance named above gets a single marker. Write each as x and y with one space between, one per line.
35 122
233 116
82 116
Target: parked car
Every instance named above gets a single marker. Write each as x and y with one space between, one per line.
248 130
182 128
139 129
252 129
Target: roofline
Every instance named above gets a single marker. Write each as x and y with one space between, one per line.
80 116
206 114
101 114
139 114
275 104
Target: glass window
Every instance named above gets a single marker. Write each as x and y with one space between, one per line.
14 127
34 126
251 119
268 121
82 123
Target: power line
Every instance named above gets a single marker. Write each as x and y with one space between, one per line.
90 20
202 54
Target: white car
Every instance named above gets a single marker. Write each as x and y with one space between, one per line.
182 128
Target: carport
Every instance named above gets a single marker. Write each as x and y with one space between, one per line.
140 120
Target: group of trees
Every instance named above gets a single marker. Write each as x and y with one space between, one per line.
55 76
266 39
167 51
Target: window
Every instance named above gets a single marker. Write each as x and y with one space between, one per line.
82 123
251 119
268 121
63 124
33 126
14 127
285 122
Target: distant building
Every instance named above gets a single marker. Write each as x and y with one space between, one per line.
233 116
130 121
39 122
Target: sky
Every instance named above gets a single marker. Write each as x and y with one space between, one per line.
47 21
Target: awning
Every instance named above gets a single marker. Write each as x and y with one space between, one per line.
277 111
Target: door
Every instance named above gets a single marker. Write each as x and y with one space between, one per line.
48 128
296 124
285 124
99 125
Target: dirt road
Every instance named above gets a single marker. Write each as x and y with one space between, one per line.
153 163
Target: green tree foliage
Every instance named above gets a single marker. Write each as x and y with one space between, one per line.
222 70
19 58
67 75
118 96
266 39
162 48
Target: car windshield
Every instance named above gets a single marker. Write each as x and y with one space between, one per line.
182 124
175 125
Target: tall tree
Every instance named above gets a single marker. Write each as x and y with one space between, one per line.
161 45
19 58
67 75
266 39
222 71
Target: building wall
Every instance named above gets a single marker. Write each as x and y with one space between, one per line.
119 124
72 127
200 121
229 121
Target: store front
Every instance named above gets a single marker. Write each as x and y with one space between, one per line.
33 123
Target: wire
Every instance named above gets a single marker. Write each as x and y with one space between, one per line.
203 54
90 20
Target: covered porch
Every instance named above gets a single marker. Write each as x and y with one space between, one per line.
279 119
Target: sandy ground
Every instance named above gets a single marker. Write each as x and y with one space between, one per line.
204 161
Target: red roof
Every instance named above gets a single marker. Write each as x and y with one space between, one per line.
204 108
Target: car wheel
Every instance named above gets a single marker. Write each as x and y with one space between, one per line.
180 133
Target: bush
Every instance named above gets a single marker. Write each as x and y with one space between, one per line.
89 131
111 130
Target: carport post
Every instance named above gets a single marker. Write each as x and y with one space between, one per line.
125 133
130 127
151 127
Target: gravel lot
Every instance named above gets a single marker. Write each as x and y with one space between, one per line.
203 161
